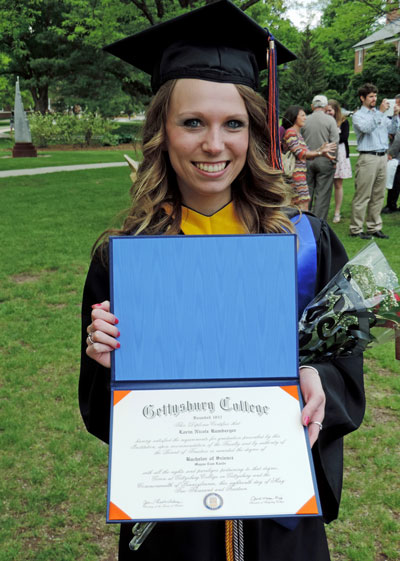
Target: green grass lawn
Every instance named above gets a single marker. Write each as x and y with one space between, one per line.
54 474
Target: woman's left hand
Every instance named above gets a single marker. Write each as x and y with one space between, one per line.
313 412
326 150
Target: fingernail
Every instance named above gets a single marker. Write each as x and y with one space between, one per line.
96 305
118 334
116 321
306 421
118 345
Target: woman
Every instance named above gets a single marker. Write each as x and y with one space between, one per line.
204 169
293 120
343 165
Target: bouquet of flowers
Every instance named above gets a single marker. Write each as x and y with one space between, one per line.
359 307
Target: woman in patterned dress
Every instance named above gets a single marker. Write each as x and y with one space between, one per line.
343 166
293 120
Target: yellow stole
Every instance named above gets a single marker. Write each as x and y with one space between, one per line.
224 221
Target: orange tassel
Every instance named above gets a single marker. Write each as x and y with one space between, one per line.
229 540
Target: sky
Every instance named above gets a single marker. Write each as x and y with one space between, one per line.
303 15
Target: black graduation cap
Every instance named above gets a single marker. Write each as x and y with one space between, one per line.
217 42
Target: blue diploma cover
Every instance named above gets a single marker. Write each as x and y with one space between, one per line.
205 416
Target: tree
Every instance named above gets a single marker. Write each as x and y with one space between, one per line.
6 89
55 46
343 24
37 44
305 76
381 68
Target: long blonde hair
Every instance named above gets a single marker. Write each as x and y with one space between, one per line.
259 191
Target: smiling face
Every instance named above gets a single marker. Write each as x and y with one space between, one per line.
207 140
329 110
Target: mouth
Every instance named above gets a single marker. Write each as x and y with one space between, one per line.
211 167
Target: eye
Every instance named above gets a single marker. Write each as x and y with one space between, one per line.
192 123
235 124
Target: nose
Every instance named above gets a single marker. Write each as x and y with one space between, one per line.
213 142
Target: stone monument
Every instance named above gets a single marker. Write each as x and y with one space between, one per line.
23 147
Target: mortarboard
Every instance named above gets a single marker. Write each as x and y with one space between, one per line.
217 42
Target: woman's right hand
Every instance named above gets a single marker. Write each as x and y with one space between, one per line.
102 333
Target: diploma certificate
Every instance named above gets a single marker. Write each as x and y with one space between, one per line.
226 452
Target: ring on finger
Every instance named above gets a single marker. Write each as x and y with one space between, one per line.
90 337
317 423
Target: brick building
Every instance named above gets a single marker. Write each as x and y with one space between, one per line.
390 33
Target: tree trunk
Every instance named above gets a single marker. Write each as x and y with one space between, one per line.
40 96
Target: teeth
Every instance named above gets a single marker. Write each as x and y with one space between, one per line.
211 167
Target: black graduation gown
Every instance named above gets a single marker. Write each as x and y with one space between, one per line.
265 540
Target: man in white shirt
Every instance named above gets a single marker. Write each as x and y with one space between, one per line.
372 128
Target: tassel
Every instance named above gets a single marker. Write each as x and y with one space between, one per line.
273 106
234 540
238 540
229 540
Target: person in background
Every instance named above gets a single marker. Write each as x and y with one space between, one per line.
343 165
292 122
319 129
396 109
394 192
372 128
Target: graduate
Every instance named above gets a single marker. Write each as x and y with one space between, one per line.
209 167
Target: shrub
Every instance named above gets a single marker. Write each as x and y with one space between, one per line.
94 129
43 128
87 129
